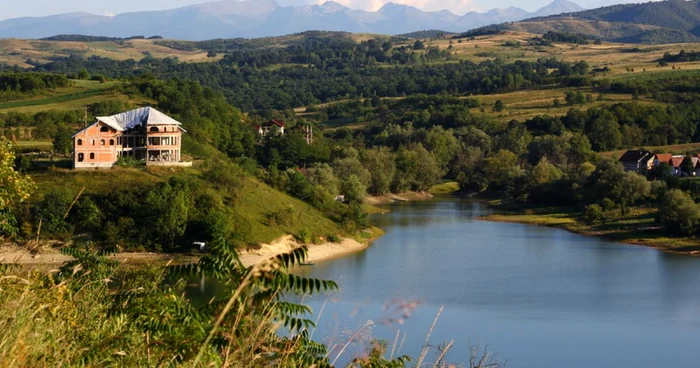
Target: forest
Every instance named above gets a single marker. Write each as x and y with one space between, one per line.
326 70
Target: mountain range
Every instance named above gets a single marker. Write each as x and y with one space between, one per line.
261 18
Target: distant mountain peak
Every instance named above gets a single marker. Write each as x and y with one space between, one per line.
559 7
332 6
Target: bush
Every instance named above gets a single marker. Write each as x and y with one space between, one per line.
304 236
593 213
129 162
284 217
333 238
51 212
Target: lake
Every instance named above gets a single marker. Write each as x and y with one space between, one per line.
537 296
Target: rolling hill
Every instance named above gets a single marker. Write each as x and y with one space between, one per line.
659 22
262 18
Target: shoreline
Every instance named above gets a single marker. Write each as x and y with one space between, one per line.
393 198
17 255
686 250
316 252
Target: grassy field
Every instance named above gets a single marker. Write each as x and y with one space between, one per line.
75 97
637 227
16 52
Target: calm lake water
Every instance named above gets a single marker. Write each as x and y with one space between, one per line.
537 296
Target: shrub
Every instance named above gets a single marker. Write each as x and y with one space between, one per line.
304 236
593 213
284 217
129 162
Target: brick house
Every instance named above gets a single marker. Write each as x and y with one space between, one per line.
144 134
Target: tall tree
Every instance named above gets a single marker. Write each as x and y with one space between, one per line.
15 188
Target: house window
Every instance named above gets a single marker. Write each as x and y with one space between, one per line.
92 156
104 129
154 129
111 142
80 142
81 157
93 142
102 142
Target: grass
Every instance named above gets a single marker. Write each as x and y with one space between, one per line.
444 188
82 93
53 100
33 144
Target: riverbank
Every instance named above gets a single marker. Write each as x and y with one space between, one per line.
638 227
316 252
392 198
13 254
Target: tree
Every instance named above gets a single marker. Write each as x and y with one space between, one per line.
498 106
419 45
428 171
442 144
381 164
15 188
83 74
544 173
345 167
605 132
353 189
501 168
322 174
605 181
633 188
166 211
63 140
680 213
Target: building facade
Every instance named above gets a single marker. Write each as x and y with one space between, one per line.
143 134
637 160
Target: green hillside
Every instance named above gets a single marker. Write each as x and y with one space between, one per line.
249 207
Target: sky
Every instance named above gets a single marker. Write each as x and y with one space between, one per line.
25 8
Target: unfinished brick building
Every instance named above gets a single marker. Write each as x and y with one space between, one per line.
144 134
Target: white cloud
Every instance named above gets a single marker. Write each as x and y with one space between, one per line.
108 14
456 6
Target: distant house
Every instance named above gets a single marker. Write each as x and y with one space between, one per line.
676 163
144 134
277 127
696 165
307 131
271 128
637 160
662 158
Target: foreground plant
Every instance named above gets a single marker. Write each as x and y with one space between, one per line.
93 312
